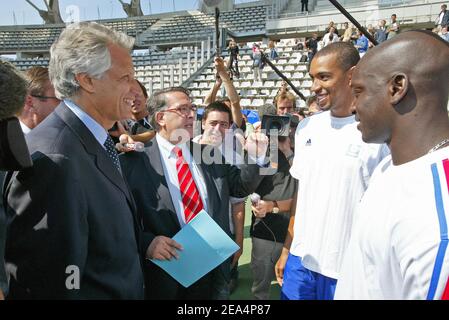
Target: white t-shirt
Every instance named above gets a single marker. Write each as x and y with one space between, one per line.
327 40
397 233
333 166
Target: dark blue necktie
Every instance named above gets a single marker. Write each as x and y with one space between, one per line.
112 153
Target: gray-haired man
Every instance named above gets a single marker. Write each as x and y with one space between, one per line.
74 231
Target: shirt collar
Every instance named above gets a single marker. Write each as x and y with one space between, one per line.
25 128
94 127
167 146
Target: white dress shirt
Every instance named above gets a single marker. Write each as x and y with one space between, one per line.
25 128
94 127
168 159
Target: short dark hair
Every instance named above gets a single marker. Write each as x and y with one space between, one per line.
347 55
217 106
144 90
394 15
13 89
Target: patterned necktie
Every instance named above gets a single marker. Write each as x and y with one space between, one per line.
112 153
191 199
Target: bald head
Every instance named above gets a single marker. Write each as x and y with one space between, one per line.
421 55
401 86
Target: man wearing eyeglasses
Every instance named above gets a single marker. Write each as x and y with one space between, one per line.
40 100
173 180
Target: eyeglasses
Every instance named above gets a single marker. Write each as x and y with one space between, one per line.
183 110
43 97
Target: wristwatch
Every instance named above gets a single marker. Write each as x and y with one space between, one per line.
275 207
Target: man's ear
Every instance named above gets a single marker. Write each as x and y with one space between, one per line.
28 103
85 82
160 119
397 88
349 73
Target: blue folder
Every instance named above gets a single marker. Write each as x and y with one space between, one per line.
205 245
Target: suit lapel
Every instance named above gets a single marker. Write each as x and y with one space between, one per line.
154 168
102 162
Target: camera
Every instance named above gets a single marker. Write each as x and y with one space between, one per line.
279 123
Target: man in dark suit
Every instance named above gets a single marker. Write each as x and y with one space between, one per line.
156 180
73 232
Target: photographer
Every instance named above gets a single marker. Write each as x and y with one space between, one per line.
233 64
271 215
285 103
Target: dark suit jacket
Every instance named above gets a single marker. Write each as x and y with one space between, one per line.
145 176
3 281
73 208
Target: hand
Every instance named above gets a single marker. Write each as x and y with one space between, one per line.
257 126
2 297
262 208
124 139
212 137
240 138
236 257
163 248
220 66
280 266
257 144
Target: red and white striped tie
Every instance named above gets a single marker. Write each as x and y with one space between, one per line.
191 199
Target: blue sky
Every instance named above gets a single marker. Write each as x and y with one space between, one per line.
88 9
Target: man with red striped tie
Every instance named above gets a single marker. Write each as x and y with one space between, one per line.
173 180
399 244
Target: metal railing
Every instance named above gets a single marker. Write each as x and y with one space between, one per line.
321 27
421 12
351 4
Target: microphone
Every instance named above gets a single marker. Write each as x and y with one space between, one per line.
136 146
255 198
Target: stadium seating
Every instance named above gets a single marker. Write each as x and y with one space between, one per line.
40 37
254 94
198 25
